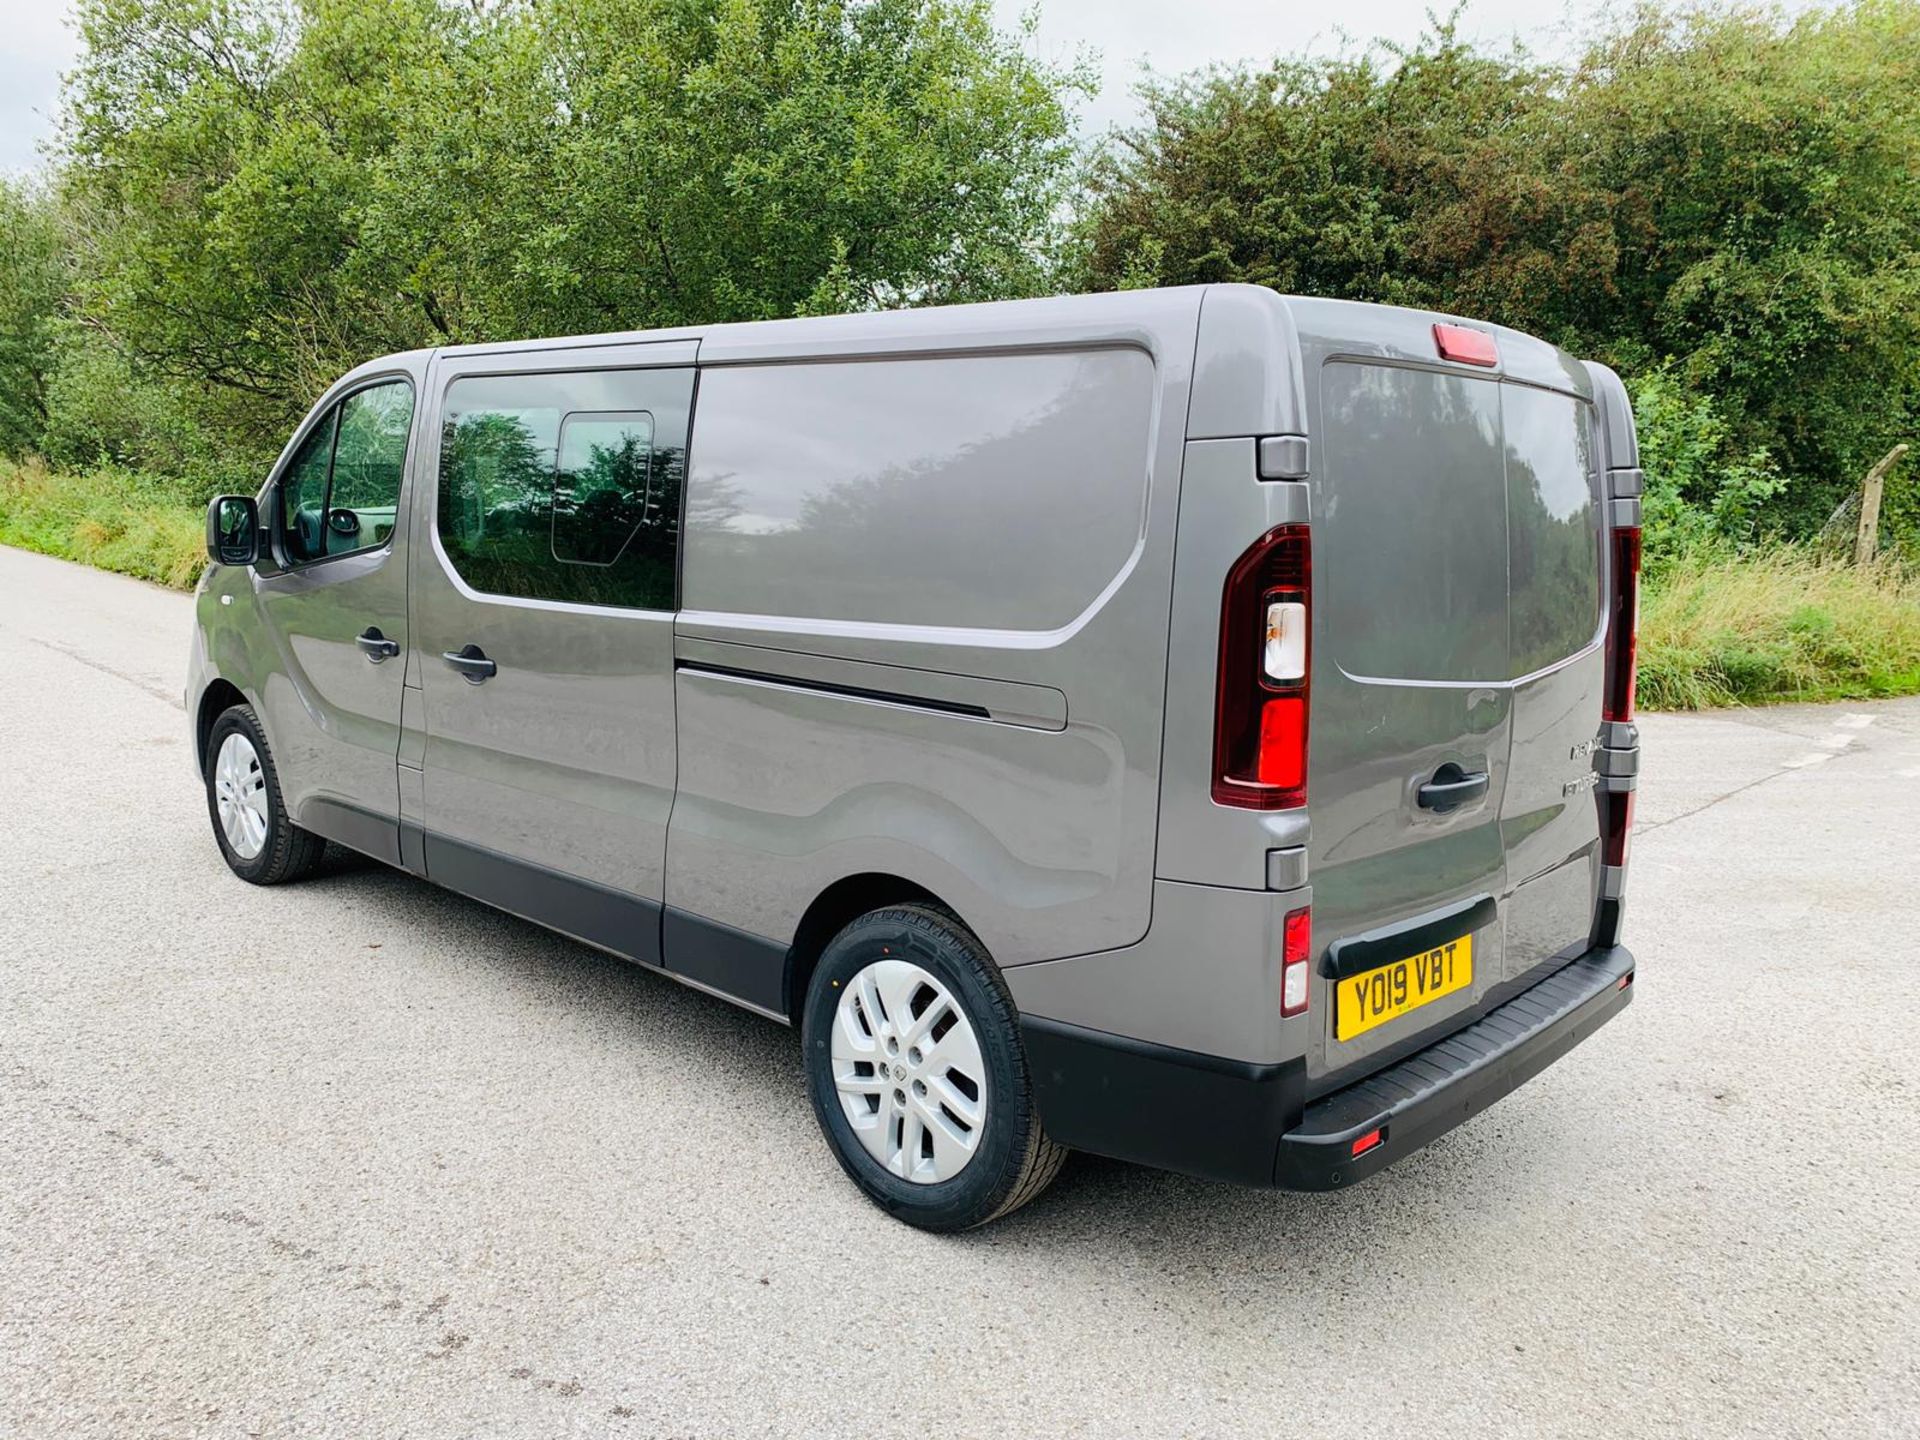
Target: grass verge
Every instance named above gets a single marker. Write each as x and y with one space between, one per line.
107 518
1776 625
1715 628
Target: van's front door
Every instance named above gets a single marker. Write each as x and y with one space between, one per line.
335 602
543 594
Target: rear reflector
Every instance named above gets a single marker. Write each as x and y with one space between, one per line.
1367 1141
1468 347
1296 954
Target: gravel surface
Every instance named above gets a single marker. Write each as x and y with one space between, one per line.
357 1157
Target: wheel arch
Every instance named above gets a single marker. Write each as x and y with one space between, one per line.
838 906
220 696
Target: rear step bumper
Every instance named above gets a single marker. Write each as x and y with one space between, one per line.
1429 1093
1231 1120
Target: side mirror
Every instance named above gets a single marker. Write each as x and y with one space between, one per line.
233 530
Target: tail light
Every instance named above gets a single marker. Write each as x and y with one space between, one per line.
1260 699
1616 818
1296 951
1623 625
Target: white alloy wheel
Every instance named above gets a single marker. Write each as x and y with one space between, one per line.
240 794
909 1073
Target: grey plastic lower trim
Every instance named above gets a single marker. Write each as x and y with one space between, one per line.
413 848
743 967
628 925
357 829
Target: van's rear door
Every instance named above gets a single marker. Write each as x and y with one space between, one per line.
1549 819
1410 605
1457 676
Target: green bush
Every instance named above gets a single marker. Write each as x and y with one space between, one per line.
110 518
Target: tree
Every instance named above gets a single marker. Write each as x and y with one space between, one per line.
1713 187
283 191
34 276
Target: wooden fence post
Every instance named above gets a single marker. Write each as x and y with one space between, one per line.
1867 538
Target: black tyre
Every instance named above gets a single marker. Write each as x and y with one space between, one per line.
917 1075
260 843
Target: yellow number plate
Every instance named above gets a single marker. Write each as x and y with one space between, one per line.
1364 1001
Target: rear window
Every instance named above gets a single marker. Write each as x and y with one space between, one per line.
1411 542
1458 537
1553 525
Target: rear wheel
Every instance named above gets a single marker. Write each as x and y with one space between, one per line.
261 845
917 1075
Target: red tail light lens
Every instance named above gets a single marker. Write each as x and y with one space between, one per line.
1623 626
1296 956
1261 694
1616 814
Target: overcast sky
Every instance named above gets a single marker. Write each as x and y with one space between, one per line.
37 43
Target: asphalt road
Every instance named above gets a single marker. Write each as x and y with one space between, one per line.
357 1157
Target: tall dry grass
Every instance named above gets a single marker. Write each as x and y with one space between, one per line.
1779 624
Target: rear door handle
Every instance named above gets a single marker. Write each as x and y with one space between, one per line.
472 662
1450 788
375 646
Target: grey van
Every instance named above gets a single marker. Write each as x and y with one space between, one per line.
1193 725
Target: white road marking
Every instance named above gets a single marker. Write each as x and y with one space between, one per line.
1801 762
1853 720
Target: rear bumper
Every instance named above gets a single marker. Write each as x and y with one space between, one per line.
1251 1124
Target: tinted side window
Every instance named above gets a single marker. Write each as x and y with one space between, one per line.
1554 526
601 493
369 459
566 486
303 493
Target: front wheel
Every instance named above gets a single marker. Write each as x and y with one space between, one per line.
917 1075
260 844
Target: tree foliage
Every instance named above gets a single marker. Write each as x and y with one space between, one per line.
1717 194
249 196
34 278
273 192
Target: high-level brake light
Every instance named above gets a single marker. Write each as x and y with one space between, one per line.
1465 346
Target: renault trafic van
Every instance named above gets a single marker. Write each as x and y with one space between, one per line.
1193 726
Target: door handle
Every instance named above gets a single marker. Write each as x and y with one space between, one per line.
1450 788
472 663
376 646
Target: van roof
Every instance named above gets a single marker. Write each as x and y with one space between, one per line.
1251 332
